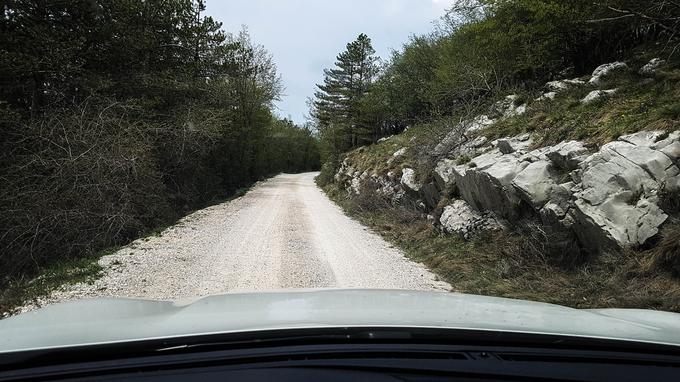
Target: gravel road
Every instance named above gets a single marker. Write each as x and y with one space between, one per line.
284 233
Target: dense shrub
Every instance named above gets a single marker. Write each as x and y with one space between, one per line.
117 117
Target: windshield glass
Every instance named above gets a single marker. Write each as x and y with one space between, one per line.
172 150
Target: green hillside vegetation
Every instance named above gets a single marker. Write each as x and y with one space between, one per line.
484 51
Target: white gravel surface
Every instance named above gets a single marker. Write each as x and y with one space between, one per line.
284 233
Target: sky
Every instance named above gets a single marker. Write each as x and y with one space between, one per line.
305 36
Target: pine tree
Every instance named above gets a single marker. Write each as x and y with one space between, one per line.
337 104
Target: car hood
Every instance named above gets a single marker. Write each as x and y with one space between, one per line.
100 321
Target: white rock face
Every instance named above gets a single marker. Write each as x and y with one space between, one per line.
479 123
652 66
514 144
485 183
535 183
560 85
400 152
549 96
460 218
443 174
409 182
604 70
567 155
618 196
612 200
597 94
507 107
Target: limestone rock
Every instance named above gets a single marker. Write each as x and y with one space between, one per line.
567 155
443 174
597 94
604 70
652 66
560 85
535 183
549 96
487 184
460 218
505 147
409 182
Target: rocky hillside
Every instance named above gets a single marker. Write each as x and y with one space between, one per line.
589 197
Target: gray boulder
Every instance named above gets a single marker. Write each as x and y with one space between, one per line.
460 218
652 67
519 143
560 85
443 174
597 94
567 155
505 147
604 70
616 200
616 222
486 184
535 184
409 182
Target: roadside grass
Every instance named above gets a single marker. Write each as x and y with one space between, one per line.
639 104
502 264
86 269
52 277
379 157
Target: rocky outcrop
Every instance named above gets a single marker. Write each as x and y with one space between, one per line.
409 181
567 155
485 183
597 94
604 70
444 176
460 134
548 96
608 198
560 85
461 140
459 218
652 67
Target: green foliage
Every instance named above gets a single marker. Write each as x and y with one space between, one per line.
639 104
120 116
401 97
336 108
484 49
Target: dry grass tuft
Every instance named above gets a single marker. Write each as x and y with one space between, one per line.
666 255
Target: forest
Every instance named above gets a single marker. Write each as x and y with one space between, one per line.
117 117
